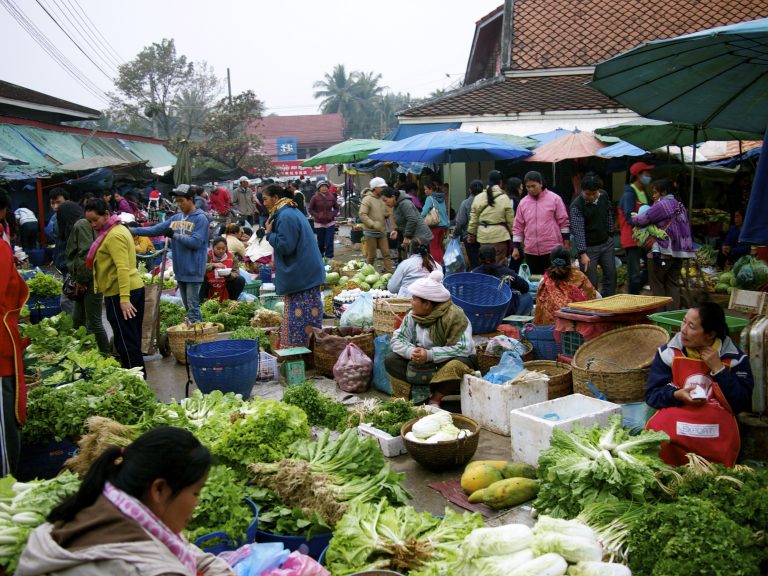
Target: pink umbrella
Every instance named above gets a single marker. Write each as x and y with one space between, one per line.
574 145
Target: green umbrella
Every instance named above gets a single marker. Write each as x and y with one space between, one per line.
650 134
346 152
182 171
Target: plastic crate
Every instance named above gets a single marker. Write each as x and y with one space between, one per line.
570 342
43 307
671 322
252 288
311 547
226 365
267 367
44 461
542 338
482 297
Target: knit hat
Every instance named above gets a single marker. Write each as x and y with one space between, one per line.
431 288
377 182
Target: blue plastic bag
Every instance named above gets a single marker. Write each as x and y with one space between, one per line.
453 259
381 347
508 368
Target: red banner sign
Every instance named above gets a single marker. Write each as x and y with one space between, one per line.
294 169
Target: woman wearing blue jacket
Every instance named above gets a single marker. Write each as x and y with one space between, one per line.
436 199
299 269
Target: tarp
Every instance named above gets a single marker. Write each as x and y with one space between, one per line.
754 229
407 130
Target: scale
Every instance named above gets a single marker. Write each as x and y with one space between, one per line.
754 340
291 365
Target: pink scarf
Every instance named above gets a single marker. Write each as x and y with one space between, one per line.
110 222
135 510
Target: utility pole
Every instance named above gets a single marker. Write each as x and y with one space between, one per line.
229 87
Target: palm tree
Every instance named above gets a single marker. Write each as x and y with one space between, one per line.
337 90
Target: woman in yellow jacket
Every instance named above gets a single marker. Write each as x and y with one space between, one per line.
491 218
112 257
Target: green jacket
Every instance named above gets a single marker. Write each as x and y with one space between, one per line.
491 224
78 244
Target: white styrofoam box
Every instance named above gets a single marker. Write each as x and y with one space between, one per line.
391 446
532 426
490 404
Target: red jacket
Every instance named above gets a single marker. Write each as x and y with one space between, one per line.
13 294
323 208
220 200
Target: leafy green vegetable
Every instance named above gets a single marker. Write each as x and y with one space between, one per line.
252 333
233 314
277 518
597 465
321 409
377 536
691 537
170 315
44 285
53 340
388 416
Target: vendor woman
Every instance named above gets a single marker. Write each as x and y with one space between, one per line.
699 382
434 342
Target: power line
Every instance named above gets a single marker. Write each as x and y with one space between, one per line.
79 29
119 59
36 35
52 17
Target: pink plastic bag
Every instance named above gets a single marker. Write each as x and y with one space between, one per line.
353 370
298 564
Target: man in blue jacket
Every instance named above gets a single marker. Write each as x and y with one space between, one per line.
188 231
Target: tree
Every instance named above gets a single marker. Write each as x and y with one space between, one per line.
227 142
147 85
337 91
194 100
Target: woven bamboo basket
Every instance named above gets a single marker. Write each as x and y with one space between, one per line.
617 362
487 361
444 455
404 389
179 335
387 312
622 303
324 362
560 377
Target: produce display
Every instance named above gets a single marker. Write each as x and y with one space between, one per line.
231 313
321 409
387 416
707 216
252 333
264 318
44 286
362 274
52 340
434 428
169 282
170 315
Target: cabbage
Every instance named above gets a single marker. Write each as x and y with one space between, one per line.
547 565
572 548
498 565
564 527
372 278
599 569
726 277
343 280
364 286
498 541
430 425
367 269
332 277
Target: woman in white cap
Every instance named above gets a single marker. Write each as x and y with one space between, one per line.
434 343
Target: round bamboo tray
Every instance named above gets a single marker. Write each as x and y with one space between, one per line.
387 312
325 362
444 455
487 361
179 335
560 377
616 363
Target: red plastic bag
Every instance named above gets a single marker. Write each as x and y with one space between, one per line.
353 370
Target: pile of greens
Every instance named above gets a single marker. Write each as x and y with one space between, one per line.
252 333
321 409
600 465
53 340
377 536
323 477
23 507
231 313
388 416
44 285
170 315
56 412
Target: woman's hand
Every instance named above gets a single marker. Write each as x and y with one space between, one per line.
684 396
420 356
128 310
219 265
406 241
268 226
393 235
711 358
516 254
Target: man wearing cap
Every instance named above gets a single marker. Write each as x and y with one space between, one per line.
242 199
634 197
375 214
188 231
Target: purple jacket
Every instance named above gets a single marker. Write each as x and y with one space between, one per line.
323 208
670 215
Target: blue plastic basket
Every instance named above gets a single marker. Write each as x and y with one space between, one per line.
224 542
483 298
226 365
43 307
543 340
313 547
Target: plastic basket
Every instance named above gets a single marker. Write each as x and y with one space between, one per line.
43 307
545 347
225 543
43 461
226 365
313 547
252 288
483 298
671 322
267 367
570 342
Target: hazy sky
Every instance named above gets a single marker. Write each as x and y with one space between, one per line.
277 48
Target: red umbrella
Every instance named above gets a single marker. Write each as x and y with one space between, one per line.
575 145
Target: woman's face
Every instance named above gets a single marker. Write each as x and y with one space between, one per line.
421 307
534 188
117 196
738 219
220 249
96 220
269 201
692 333
655 194
175 510
389 201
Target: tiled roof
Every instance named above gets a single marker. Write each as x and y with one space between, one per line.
513 95
315 129
25 95
567 33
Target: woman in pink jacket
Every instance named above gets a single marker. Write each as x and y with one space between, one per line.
541 224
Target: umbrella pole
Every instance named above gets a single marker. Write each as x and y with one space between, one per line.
693 167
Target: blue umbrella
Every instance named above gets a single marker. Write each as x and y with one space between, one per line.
621 148
754 229
545 137
447 146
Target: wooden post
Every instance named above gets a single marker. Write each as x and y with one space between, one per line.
40 207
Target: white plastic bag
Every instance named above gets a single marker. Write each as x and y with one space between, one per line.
359 313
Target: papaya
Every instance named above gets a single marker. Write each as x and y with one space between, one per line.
479 476
498 464
519 470
506 493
